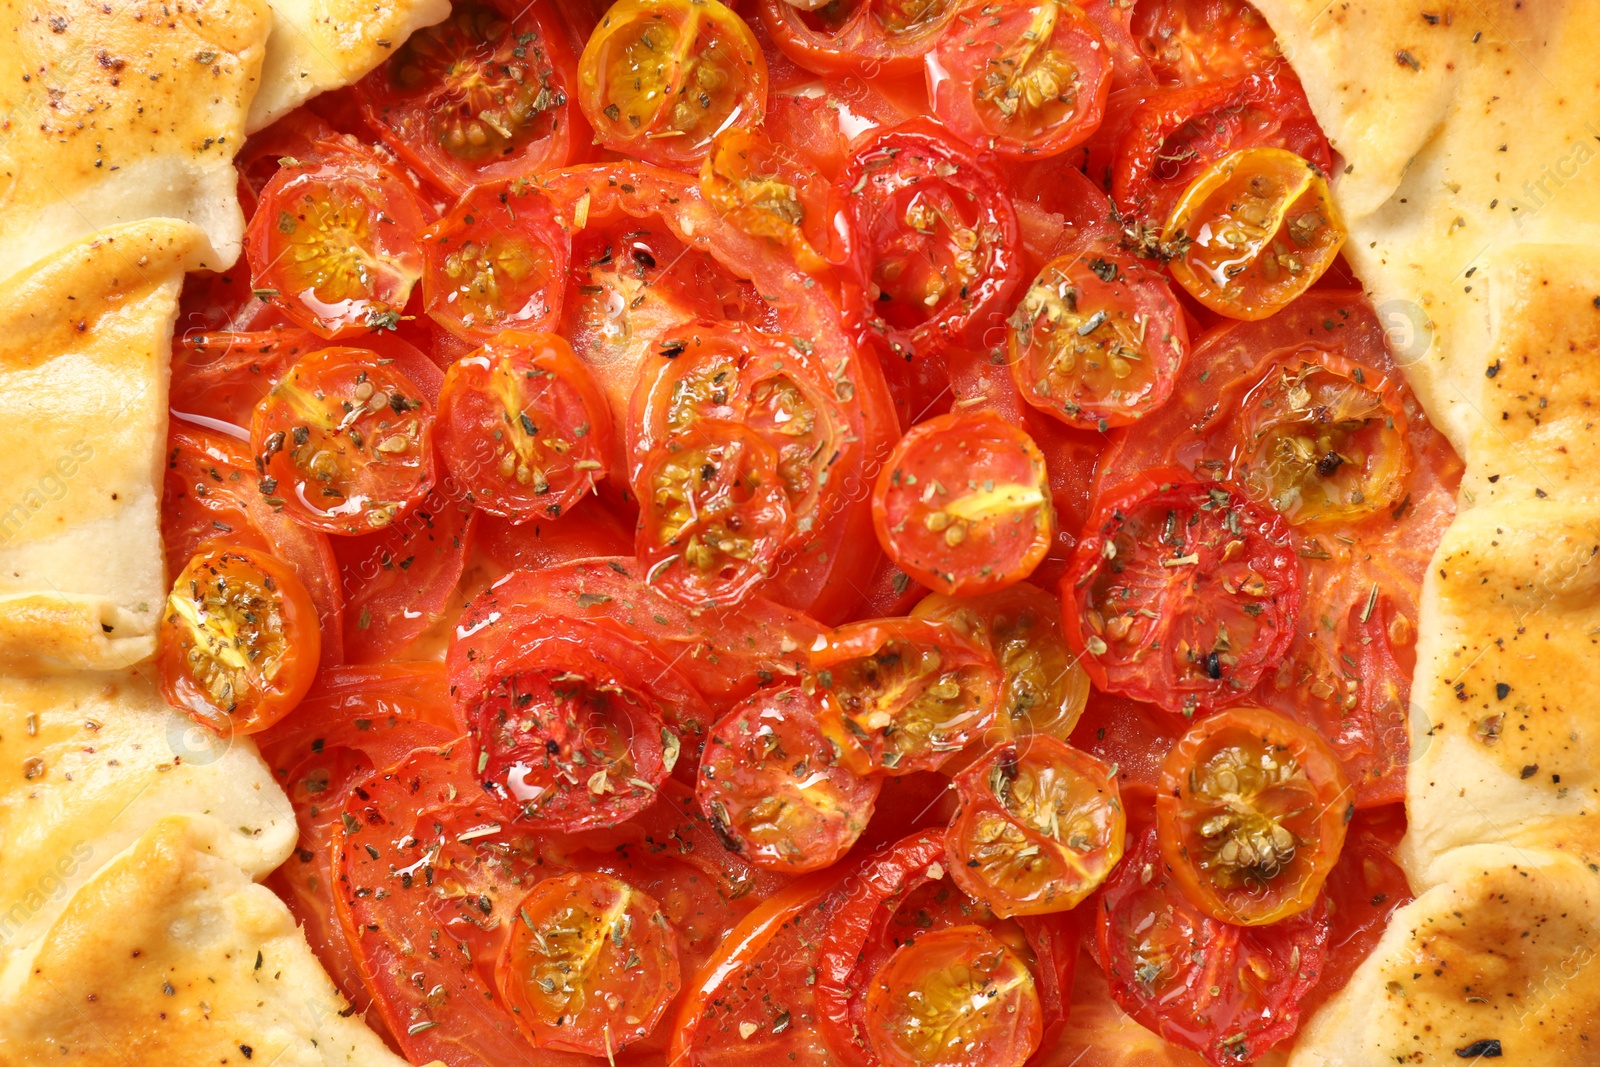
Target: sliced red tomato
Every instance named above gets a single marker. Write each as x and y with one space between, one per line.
716 515
772 788
875 37
239 640
1255 230
1041 825
1186 42
344 442
590 964
726 653
223 375
963 504
1098 1033
333 244
767 190
210 494
1098 340
1132 736
661 78
1181 593
936 239
1024 79
1250 816
1176 134
573 724
486 94
903 695
523 427
594 531
497 260
400 580
1363 890
1228 992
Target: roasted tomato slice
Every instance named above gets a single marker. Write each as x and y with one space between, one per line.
903 695
768 190
497 261
333 245
1045 688
1251 815
877 37
523 426
239 640
771 786
1253 232
1363 890
963 504
1180 592
590 966
716 515
956 997
1098 340
1228 992
661 78
1040 827
1025 78
570 724
936 238
344 442
1323 440
1186 42
1176 134
481 96
223 375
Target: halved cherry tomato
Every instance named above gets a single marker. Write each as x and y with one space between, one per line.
1176 134
498 260
1323 440
1190 41
1251 815
936 238
661 78
571 726
484 95
773 789
590 964
713 513
211 494
239 640
344 442
1098 1033
333 245
1041 825
1045 689
1098 340
523 427
877 37
1022 78
767 191
1180 592
903 695
1254 231
1228 992
401 579
963 504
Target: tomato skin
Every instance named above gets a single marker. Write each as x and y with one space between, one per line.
1164 958
1213 659
768 191
985 536
863 41
497 260
884 723
974 71
1186 42
332 245
929 221
242 617
444 71
302 430
769 784
1066 807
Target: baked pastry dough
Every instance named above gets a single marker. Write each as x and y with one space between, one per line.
121 112
1473 200
84 342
